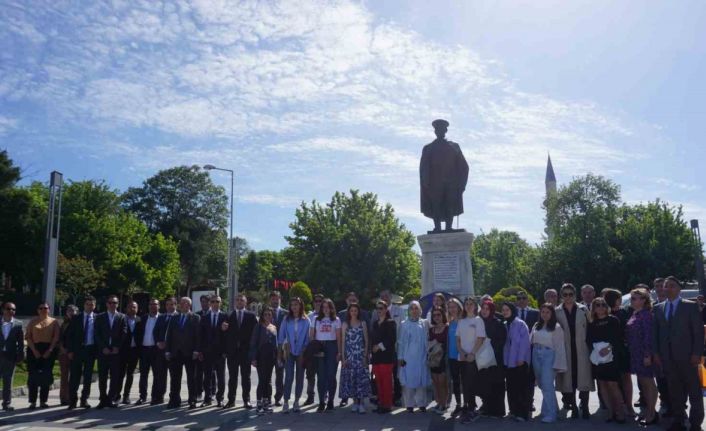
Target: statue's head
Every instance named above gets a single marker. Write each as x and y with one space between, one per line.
440 127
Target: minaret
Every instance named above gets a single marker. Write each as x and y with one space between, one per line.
550 178
550 187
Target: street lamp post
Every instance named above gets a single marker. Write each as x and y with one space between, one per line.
232 271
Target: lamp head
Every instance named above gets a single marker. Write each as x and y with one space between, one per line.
209 167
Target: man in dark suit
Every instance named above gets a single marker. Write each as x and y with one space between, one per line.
679 344
12 345
237 334
82 351
110 335
149 352
530 316
212 352
130 350
183 352
159 386
198 365
278 316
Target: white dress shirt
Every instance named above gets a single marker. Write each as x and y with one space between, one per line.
148 338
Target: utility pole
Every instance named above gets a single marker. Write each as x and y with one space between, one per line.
51 245
699 257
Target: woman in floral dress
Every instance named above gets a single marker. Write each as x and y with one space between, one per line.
355 377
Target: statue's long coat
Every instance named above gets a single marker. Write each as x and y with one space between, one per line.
443 174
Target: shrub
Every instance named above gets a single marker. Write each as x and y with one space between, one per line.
509 294
303 291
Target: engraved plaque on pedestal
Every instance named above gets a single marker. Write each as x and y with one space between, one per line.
446 263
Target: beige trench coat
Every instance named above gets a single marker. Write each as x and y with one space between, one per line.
583 363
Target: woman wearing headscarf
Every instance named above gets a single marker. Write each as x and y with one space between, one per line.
411 355
516 357
492 379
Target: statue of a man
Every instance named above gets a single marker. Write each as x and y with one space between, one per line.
443 174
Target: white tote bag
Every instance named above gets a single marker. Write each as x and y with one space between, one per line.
485 357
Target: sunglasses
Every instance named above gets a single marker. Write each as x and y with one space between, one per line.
42 308
567 294
113 302
11 309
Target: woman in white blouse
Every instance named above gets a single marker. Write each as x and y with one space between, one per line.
470 335
548 358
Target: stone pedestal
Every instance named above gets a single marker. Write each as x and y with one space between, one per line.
446 263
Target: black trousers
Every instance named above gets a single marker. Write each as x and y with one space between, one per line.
264 379
128 363
109 365
279 381
663 389
198 369
310 378
214 372
161 366
518 396
82 369
40 375
683 381
149 357
239 363
469 384
177 363
492 390
455 374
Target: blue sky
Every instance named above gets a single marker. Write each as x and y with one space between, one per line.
306 98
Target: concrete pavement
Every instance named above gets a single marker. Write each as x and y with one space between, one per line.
150 418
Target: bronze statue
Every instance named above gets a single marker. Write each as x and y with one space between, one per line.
443 174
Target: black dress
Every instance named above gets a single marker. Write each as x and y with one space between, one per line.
608 330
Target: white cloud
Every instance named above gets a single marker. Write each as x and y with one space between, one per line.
7 124
321 91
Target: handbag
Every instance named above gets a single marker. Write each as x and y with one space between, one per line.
435 353
314 348
485 358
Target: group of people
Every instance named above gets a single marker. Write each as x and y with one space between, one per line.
459 351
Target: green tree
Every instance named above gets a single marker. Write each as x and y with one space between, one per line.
249 277
183 203
75 278
353 243
654 240
500 259
22 228
582 218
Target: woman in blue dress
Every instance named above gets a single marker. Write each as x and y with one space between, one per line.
355 377
412 359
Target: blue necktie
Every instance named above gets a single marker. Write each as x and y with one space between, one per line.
669 311
183 319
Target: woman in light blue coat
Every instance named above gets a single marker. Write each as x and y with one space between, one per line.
292 340
412 359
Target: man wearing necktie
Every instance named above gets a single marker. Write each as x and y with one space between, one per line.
237 332
182 352
159 385
11 351
81 351
679 343
111 330
213 353
130 351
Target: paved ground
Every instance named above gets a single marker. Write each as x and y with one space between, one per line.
150 418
